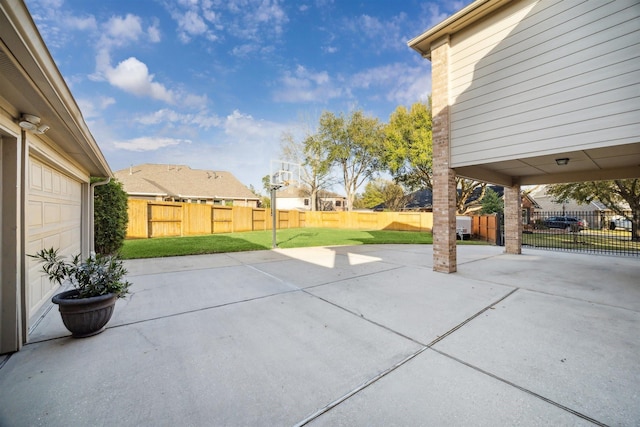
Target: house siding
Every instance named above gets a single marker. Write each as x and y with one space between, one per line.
543 77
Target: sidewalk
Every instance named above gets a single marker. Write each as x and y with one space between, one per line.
354 336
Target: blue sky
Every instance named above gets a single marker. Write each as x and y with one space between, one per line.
213 84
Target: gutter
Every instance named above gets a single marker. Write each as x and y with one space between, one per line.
455 23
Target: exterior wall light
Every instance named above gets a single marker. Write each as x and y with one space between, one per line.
563 161
31 123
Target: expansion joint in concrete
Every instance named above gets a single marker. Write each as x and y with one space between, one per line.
525 390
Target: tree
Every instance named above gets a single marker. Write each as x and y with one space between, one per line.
111 216
491 203
409 152
379 191
266 184
408 146
355 146
358 201
314 160
467 187
265 201
612 194
253 190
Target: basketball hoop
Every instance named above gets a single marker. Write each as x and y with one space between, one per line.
284 174
281 174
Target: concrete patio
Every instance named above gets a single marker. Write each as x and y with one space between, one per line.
353 336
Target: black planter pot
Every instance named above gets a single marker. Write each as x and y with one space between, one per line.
84 317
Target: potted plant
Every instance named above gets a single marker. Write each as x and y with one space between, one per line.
98 282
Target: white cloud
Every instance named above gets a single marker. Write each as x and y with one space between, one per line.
256 19
390 33
190 24
238 124
132 75
148 143
106 101
399 82
51 4
245 19
370 24
195 19
94 108
303 85
86 23
153 32
119 31
202 120
194 101
254 135
244 50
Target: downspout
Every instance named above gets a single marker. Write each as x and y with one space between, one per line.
92 220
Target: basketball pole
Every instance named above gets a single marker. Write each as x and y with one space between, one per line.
274 212
281 174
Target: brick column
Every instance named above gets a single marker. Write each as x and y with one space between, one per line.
512 220
444 182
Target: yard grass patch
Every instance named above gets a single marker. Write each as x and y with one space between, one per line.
591 240
261 240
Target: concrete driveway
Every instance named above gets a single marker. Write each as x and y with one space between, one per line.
352 336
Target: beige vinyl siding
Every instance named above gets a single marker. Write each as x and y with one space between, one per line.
545 77
53 219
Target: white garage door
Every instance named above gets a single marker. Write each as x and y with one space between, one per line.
54 215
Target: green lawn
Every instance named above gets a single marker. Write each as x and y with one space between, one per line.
259 240
588 240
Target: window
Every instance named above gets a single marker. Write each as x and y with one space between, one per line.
338 203
306 202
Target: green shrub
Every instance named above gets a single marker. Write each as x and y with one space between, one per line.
110 216
95 276
491 203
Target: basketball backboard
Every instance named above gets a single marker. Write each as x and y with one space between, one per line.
284 174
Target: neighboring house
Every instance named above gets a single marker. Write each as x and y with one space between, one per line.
422 200
597 213
548 203
530 92
47 158
299 198
179 183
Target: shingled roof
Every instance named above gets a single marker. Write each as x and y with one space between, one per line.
182 182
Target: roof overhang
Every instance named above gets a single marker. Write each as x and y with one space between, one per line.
594 164
32 84
470 14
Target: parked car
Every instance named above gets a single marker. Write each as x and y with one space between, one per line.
566 222
619 222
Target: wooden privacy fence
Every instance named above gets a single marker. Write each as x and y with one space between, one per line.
485 227
162 219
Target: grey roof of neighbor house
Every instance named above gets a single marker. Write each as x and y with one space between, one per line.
182 181
547 202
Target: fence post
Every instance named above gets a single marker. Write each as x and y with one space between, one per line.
499 229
